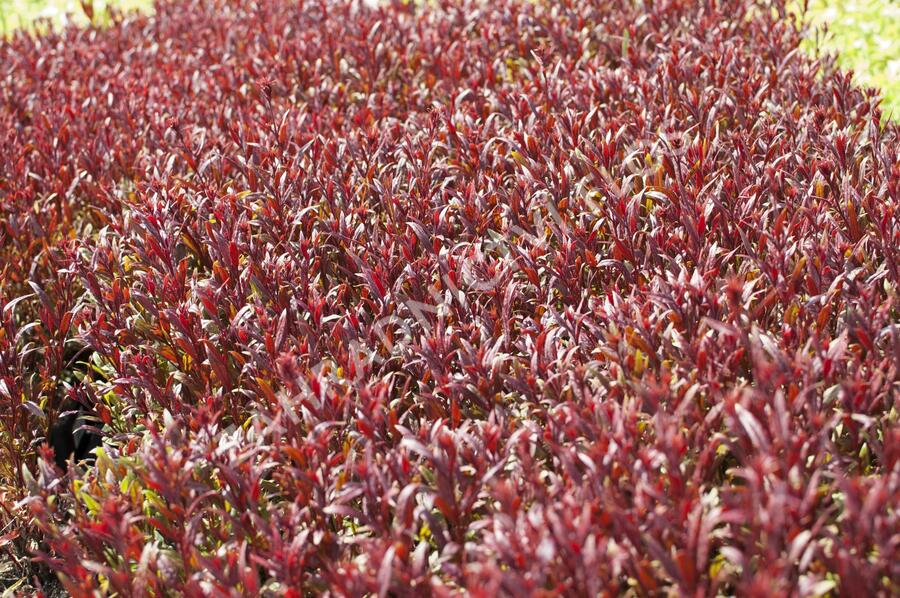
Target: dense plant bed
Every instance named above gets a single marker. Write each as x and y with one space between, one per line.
533 297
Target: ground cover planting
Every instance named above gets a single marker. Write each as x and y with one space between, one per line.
490 298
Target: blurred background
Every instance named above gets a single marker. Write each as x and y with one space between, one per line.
865 32
867 35
19 14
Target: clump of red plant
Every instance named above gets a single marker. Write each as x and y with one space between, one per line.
501 297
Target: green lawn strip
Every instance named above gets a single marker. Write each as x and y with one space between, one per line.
25 14
866 35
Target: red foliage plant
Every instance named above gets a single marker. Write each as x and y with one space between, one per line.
506 297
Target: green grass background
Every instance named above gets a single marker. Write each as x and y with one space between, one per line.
18 14
866 33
